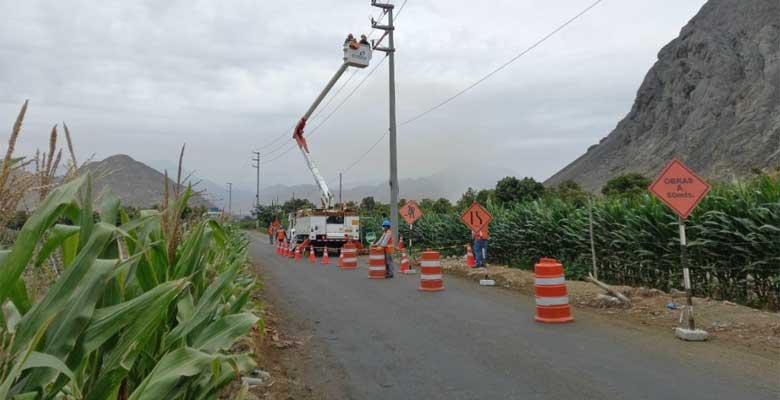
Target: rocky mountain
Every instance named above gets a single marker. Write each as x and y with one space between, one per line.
712 100
136 183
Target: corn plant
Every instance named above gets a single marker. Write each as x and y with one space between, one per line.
734 239
126 319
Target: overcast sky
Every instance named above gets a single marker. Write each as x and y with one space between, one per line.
143 77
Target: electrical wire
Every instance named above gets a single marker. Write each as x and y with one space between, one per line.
479 81
287 132
502 66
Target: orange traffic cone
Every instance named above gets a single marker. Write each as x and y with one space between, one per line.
278 248
470 261
291 253
325 257
404 259
341 257
312 256
297 253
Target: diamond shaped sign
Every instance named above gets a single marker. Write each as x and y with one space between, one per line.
476 217
410 212
679 188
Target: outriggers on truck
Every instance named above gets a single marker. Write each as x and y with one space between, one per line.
327 227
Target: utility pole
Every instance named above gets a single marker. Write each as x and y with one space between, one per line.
387 8
340 203
230 198
256 165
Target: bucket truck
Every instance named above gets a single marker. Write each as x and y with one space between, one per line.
328 226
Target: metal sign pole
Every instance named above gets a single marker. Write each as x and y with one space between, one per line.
686 273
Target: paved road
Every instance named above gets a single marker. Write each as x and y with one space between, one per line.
384 339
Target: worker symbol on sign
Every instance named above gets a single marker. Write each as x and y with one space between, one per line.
410 212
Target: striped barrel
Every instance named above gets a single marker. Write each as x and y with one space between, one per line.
430 272
350 256
552 298
376 263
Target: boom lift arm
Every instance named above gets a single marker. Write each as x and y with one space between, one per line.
355 55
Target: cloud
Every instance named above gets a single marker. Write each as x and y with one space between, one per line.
229 77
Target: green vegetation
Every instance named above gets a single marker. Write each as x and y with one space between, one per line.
734 236
147 307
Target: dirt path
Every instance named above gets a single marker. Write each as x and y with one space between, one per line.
730 325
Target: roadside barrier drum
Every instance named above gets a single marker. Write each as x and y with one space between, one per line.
470 261
312 256
430 272
325 257
552 298
350 256
376 263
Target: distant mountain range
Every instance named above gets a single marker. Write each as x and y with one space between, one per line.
136 183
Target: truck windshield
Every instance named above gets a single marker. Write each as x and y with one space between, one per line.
335 219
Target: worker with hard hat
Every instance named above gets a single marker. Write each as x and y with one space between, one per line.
386 241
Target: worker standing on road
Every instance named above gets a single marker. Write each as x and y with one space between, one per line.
281 236
271 234
386 241
480 238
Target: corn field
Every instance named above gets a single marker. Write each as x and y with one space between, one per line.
734 240
141 310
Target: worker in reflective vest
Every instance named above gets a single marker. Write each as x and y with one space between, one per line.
271 234
480 238
386 241
281 236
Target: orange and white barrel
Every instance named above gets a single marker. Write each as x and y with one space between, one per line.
552 297
349 251
431 278
376 263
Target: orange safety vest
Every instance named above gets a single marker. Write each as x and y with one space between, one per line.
389 249
481 234
280 234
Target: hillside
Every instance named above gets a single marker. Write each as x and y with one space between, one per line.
712 99
136 183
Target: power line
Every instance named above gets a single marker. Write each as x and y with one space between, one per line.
311 133
285 133
502 66
484 78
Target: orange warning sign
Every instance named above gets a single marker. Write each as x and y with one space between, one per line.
476 217
679 188
410 212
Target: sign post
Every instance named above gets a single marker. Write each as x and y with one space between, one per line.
411 212
682 190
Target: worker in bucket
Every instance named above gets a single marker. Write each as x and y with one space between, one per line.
480 238
386 241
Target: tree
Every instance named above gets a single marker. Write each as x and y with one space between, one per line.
265 215
571 191
512 190
627 184
427 204
466 199
442 206
293 205
368 203
485 195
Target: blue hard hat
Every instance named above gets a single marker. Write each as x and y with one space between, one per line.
386 224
